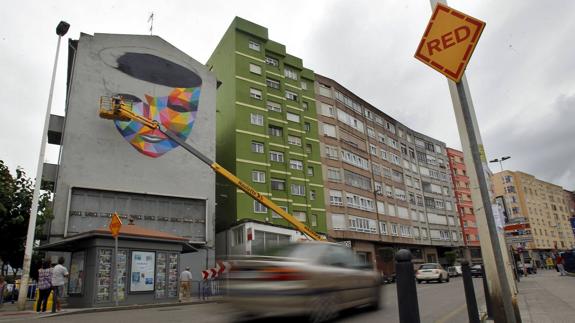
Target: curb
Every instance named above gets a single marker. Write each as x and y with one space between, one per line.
129 307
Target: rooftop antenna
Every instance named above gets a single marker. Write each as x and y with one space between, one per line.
151 21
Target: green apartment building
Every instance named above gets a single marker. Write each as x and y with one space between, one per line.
267 134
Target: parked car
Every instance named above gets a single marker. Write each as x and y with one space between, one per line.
476 271
315 279
453 272
431 271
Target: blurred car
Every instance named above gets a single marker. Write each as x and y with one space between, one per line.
453 271
476 271
431 271
313 279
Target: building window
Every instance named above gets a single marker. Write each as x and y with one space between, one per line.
296 164
293 140
278 184
254 45
276 215
359 202
329 130
331 152
305 106
275 131
277 156
308 148
303 85
333 174
327 110
335 198
272 61
258 176
298 189
238 236
354 159
394 231
256 69
257 147
291 95
307 126
290 73
312 195
325 90
292 117
314 220
274 106
271 83
255 94
259 208
383 228
310 171
257 119
338 221
373 149
362 224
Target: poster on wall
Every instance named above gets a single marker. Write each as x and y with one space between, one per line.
121 266
142 273
161 275
76 283
172 275
104 275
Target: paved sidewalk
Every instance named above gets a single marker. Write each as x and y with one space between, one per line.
9 312
547 297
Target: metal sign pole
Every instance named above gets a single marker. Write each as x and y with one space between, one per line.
115 270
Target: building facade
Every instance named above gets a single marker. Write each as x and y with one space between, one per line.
385 184
464 203
110 166
267 136
539 204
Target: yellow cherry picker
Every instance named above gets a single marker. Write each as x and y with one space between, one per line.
116 108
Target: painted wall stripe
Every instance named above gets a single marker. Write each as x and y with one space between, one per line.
252 133
251 81
277 120
252 162
251 106
276 96
307 97
251 57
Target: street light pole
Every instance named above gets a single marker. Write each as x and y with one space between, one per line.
61 30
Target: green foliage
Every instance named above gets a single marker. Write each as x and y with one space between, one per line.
15 203
450 256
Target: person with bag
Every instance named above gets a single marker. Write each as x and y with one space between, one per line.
44 285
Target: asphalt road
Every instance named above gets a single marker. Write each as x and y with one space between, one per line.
439 303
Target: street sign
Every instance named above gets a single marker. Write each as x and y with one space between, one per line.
519 239
449 41
115 225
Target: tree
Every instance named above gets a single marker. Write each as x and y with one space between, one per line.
450 257
15 203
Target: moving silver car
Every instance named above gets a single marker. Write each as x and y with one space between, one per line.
315 279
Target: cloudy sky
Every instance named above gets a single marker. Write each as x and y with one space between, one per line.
522 74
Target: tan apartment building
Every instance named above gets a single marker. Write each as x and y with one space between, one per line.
540 204
464 204
373 187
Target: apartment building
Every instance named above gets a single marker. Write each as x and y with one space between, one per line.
541 205
385 184
464 204
266 125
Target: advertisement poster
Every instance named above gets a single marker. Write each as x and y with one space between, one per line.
76 273
161 275
172 275
142 273
121 266
104 275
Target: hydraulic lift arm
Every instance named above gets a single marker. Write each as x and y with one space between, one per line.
116 109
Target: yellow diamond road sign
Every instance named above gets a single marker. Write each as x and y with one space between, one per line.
449 41
115 225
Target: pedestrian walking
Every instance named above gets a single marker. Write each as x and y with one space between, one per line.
44 285
59 275
185 281
2 287
560 265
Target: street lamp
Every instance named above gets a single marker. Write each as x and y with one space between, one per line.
500 160
61 30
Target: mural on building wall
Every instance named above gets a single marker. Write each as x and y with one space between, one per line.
175 109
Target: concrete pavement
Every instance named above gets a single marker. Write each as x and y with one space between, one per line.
547 297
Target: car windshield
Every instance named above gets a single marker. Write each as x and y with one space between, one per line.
428 266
